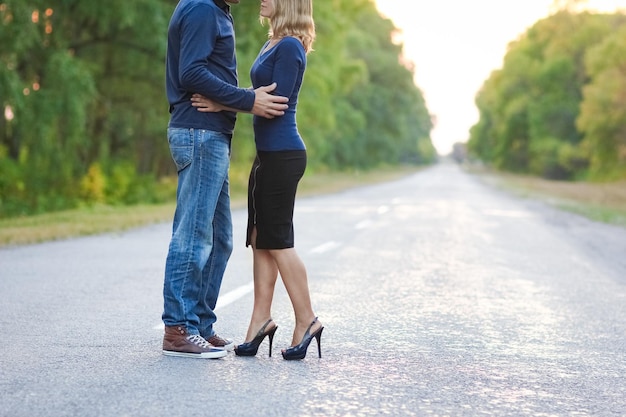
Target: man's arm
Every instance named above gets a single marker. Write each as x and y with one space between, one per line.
198 31
201 23
265 104
268 105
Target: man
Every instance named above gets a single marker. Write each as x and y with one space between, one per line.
201 59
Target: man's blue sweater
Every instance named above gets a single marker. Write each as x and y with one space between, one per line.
201 59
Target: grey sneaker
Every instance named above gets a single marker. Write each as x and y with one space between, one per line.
220 342
177 342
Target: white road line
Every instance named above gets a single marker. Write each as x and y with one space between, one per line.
225 299
234 295
328 246
507 213
367 223
364 224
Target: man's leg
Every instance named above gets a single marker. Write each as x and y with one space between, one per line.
222 237
199 165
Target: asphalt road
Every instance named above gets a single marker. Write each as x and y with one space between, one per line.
440 297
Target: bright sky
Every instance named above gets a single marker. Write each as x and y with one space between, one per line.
455 44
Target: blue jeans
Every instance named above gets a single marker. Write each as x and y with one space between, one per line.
202 235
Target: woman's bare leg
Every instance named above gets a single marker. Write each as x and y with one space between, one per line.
265 272
294 276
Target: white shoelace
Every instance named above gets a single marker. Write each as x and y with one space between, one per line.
198 340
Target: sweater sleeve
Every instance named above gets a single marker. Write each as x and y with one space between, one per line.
290 57
198 33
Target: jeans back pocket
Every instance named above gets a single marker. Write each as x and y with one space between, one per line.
181 146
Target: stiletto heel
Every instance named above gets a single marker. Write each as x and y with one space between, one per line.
318 337
299 351
251 348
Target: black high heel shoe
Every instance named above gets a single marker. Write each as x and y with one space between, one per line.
251 348
299 351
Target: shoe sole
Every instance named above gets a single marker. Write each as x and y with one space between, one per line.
205 355
230 347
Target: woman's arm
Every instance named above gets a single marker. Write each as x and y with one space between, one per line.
290 57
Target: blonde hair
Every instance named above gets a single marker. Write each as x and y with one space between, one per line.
293 18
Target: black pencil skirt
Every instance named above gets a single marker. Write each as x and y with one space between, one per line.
271 197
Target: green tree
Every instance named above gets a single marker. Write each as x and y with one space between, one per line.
529 108
603 110
85 114
396 124
79 83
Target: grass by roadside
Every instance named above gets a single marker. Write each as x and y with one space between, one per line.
604 202
103 219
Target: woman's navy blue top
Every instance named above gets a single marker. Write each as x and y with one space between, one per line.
283 64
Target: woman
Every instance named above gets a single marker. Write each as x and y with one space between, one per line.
277 169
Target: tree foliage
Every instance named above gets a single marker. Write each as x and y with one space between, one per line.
556 107
85 113
603 110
